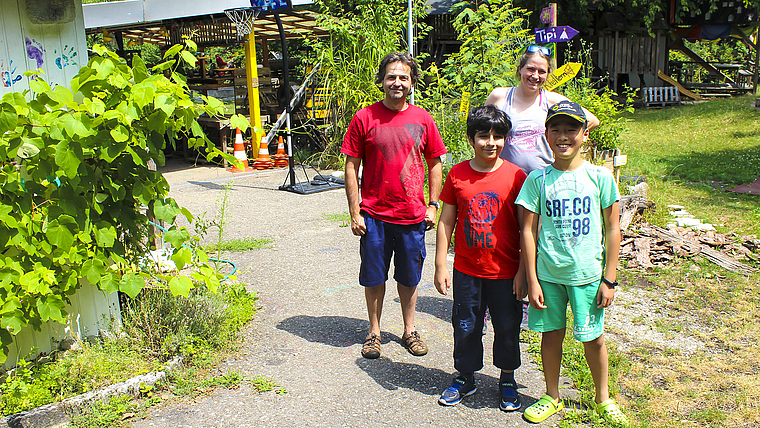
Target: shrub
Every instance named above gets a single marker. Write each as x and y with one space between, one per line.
166 325
601 102
349 58
156 321
492 34
77 190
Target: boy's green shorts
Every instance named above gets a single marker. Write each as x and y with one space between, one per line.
588 320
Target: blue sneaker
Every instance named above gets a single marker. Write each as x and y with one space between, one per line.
510 399
459 389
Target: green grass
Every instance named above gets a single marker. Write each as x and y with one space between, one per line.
689 156
344 218
685 151
245 244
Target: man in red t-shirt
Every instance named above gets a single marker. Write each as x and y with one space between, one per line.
391 138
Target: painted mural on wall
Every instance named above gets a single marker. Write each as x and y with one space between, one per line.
53 48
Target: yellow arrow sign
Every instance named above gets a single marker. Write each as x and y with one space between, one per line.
464 105
562 75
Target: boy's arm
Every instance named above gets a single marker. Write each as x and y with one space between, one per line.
611 250
520 285
446 224
528 252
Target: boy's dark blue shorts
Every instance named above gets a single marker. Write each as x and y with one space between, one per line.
384 239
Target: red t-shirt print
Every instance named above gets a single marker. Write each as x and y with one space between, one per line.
478 223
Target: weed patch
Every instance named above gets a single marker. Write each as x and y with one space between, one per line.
262 384
344 218
156 325
245 244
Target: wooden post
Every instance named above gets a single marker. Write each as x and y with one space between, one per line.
553 61
615 49
265 52
757 62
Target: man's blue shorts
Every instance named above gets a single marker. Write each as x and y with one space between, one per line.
384 239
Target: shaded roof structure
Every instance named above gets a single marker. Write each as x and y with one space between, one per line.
163 23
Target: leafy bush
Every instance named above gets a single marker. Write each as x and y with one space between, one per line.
492 34
602 103
77 190
359 39
157 322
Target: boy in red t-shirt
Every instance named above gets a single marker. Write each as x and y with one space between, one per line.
479 200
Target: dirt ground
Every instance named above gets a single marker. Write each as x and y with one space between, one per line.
307 335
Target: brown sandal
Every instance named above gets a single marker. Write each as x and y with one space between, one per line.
413 342
371 347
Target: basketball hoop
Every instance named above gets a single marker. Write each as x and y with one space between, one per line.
243 18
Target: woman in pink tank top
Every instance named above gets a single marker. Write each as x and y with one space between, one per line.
526 105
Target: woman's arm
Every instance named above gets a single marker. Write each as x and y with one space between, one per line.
553 98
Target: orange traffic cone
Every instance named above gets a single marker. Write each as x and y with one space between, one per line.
239 153
281 159
263 161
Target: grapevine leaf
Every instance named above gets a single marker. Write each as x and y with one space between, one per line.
131 284
120 134
181 257
51 308
180 286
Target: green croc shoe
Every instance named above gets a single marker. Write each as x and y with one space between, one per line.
610 411
542 409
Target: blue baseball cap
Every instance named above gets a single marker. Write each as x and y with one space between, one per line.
567 108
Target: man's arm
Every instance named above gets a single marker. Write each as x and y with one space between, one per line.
358 227
553 98
435 180
611 217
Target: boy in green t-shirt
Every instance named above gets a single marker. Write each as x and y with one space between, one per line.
575 256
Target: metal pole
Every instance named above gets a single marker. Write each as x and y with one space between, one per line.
410 36
252 79
553 60
286 82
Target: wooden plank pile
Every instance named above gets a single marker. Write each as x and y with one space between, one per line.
647 246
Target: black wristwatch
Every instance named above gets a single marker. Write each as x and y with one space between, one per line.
435 204
610 283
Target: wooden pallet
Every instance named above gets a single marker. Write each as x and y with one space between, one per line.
661 96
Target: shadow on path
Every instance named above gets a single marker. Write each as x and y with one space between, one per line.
335 331
438 307
393 375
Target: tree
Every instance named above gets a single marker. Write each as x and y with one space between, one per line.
652 14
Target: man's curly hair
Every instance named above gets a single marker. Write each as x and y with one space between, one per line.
402 57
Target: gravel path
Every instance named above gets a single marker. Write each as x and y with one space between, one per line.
308 332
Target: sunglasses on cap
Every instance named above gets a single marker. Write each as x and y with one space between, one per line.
535 48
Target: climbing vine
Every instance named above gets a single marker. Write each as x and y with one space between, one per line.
76 191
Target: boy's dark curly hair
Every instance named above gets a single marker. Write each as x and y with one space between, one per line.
485 118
